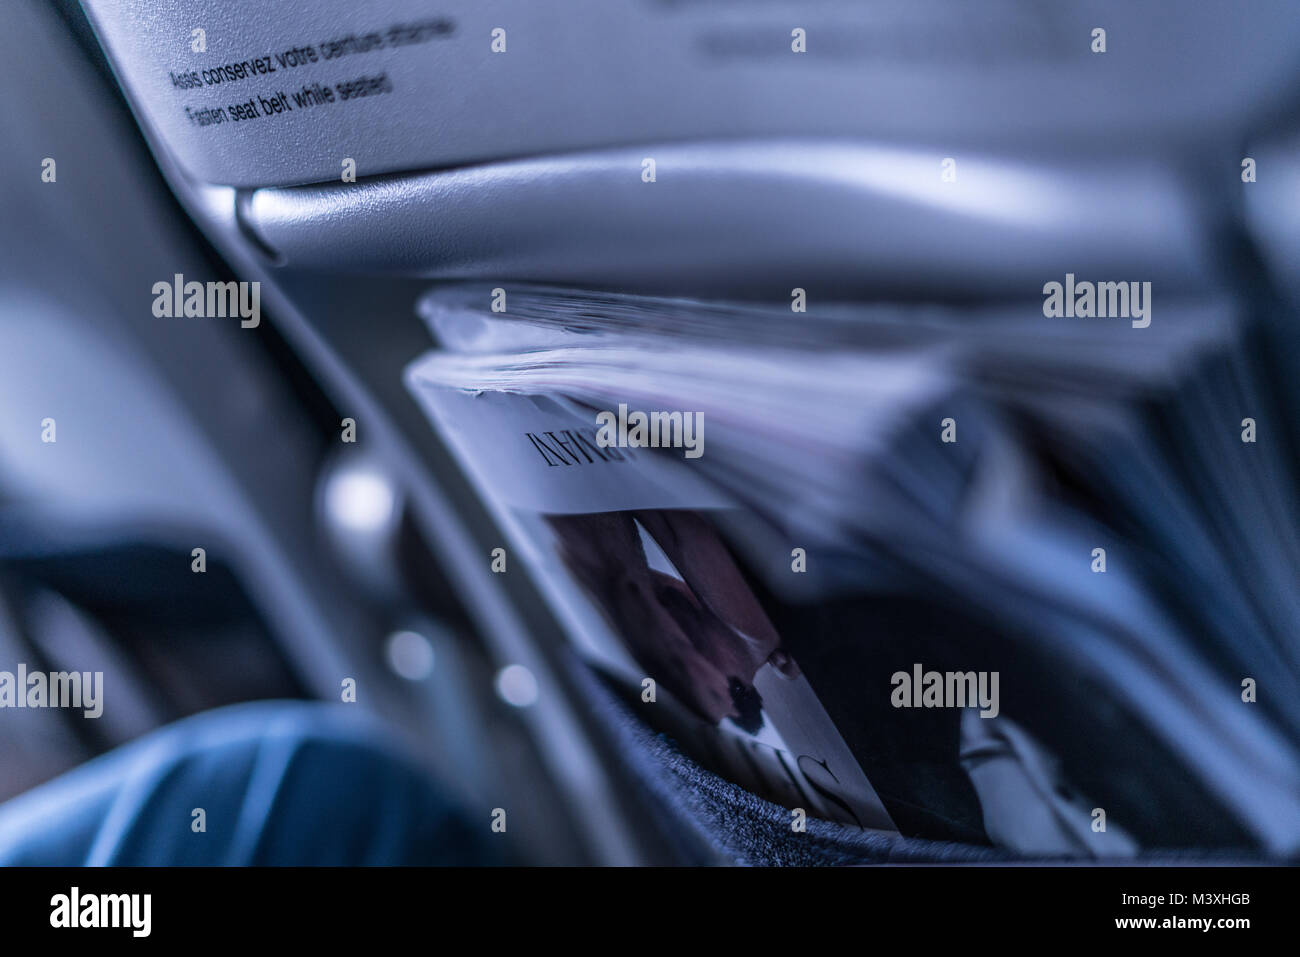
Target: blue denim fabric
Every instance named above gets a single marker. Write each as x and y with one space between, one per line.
281 783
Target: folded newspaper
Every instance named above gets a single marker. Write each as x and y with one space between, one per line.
798 534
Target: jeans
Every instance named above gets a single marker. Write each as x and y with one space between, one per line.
269 783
